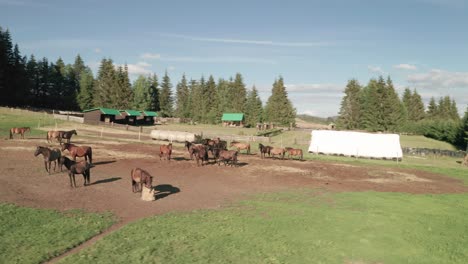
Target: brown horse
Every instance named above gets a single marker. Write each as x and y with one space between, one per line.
264 150
201 153
191 148
142 177
54 135
240 146
68 134
19 130
73 167
49 156
79 151
166 151
295 152
226 156
278 151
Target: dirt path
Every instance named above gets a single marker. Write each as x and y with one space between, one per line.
181 185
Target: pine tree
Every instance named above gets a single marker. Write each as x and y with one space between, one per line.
279 108
238 94
85 96
224 100
154 93
141 93
123 97
165 97
462 135
432 109
370 107
392 110
211 101
350 112
32 72
182 98
416 113
454 111
253 108
105 84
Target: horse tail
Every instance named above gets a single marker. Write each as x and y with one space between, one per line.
90 155
133 181
302 155
47 136
11 134
248 149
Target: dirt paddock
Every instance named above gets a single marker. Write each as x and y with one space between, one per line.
182 186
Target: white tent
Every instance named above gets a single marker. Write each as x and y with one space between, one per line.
356 144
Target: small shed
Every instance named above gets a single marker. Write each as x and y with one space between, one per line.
233 119
100 114
130 116
148 116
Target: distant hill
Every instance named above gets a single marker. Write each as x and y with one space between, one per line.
316 119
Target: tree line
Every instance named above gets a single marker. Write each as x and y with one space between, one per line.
378 107
39 83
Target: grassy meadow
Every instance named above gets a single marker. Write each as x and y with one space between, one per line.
306 226
31 235
19 118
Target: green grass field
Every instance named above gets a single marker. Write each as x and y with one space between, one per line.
35 235
307 226
18 118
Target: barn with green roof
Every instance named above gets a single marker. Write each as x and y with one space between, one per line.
233 119
100 114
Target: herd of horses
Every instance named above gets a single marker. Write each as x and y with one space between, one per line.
198 151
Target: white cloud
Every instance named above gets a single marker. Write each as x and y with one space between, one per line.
150 56
405 66
221 59
140 68
375 69
436 79
251 42
171 68
315 88
97 50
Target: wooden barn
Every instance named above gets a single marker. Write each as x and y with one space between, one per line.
148 117
100 114
129 117
233 119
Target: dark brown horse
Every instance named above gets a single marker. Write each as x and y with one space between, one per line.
201 153
54 135
191 148
19 130
79 151
226 156
295 152
277 151
49 156
166 151
240 146
141 177
264 150
68 134
73 167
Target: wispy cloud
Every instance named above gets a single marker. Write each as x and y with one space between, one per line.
375 69
216 59
405 66
435 79
252 42
97 50
150 56
22 3
171 68
315 88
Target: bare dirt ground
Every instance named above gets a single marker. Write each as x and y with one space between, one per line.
181 185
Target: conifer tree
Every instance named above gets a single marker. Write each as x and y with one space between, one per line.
224 99
165 97
238 94
253 108
141 93
392 110
432 109
85 96
416 113
278 107
211 101
182 98
105 84
350 112
154 93
370 107
123 97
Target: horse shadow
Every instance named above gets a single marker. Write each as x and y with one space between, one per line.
164 190
103 162
107 180
241 164
180 158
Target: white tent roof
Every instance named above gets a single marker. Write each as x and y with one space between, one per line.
356 144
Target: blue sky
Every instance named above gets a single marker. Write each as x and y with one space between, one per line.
317 46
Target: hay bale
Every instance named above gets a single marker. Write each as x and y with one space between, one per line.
147 194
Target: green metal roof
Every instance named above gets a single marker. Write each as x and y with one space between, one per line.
106 111
150 113
132 112
233 117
